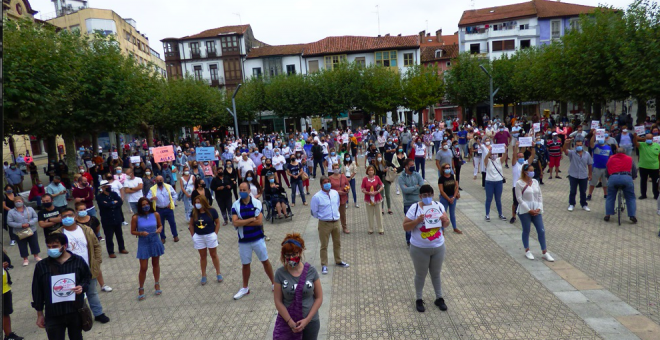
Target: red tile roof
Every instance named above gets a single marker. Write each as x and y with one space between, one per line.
427 53
344 44
276 50
538 8
238 29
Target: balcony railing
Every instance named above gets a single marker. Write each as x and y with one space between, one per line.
195 54
211 54
217 82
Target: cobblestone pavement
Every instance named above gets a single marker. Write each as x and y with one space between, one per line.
490 293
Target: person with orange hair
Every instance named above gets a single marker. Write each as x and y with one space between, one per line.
298 293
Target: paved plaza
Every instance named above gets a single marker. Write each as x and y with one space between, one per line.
605 283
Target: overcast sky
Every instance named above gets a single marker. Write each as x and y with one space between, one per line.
295 21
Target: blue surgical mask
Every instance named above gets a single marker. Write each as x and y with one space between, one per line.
249 179
332 153
427 200
327 186
607 135
146 208
649 141
118 171
530 174
272 180
578 148
601 141
54 253
244 195
68 221
521 161
447 171
82 213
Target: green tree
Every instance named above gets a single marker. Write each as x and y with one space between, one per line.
422 87
502 72
188 103
381 91
290 96
336 90
466 84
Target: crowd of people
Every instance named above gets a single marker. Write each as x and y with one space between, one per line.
247 179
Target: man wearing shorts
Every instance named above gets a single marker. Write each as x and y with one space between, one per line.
601 154
554 155
248 221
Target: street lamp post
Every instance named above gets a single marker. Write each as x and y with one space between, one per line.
492 94
233 104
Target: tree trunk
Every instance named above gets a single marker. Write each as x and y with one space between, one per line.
563 108
118 144
598 108
150 135
395 116
641 110
51 148
95 142
505 111
70 150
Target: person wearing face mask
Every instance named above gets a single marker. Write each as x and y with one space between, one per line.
247 218
232 175
82 241
520 159
204 226
111 218
201 189
410 181
325 208
330 160
119 176
341 184
579 173
274 192
222 189
530 210
445 155
350 171
554 155
601 154
449 194
298 293
427 248
255 188
162 197
148 180
294 171
15 177
622 172
23 221
244 165
503 137
477 155
649 154
398 163
36 193
84 193
279 162
62 317
420 157
58 192
83 219
494 182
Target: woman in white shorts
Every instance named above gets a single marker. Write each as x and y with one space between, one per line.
204 226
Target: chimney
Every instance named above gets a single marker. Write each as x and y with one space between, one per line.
438 35
387 35
399 35
421 36
428 34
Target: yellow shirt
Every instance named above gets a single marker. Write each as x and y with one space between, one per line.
5 284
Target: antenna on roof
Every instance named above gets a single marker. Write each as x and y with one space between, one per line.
472 3
378 14
239 18
427 25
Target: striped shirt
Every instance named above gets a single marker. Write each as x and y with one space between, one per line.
248 234
41 285
554 148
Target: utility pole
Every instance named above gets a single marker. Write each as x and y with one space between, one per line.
233 103
492 94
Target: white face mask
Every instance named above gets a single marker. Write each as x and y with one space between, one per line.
487 143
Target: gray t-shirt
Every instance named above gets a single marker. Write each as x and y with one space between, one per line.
289 284
579 167
445 156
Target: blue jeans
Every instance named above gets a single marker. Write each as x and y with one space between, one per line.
526 220
297 184
408 233
38 200
582 183
93 298
494 187
451 209
464 147
320 164
208 179
436 147
187 204
352 183
614 183
167 214
420 162
134 207
91 211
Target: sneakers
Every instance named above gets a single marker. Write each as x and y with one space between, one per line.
356 205
606 218
13 243
512 220
586 208
241 293
124 223
548 258
397 192
324 270
529 255
102 318
26 262
343 264
101 239
502 218
106 288
440 302
633 219
420 305
557 177
13 336
588 197
570 208
487 218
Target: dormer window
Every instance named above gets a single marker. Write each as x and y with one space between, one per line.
438 53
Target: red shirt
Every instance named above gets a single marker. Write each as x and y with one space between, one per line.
87 194
619 162
367 184
36 191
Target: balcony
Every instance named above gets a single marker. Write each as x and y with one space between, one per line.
195 54
219 81
172 55
212 54
533 31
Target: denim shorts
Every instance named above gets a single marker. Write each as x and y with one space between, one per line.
259 247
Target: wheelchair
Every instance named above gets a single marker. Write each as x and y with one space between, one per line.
271 213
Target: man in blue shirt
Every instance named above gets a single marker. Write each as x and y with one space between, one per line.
601 154
325 208
15 177
248 221
463 142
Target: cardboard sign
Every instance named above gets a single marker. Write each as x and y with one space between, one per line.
525 141
163 154
205 154
640 130
89 164
498 148
62 287
595 124
656 139
600 134
115 155
537 127
136 159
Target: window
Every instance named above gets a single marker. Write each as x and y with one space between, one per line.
408 59
448 64
475 48
74 28
214 71
386 58
232 69
134 40
256 72
194 49
103 26
290 69
360 61
555 29
128 36
198 72
210 47
524 27
438 53
332 60
313 66
504 45
229 44
525 44
574 23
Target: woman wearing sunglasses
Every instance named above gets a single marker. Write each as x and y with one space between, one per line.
530 210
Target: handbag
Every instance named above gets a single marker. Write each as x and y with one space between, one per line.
391 175
84 312
24 233
282 330
304 176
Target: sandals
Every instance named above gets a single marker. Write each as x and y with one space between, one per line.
224 224
203 282
158 291
371 232
389 212
219 278
141 296
346 231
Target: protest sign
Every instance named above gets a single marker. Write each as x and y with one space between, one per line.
205 154
163 154
525 142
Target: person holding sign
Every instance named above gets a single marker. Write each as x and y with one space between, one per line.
649 156
57 289
494 181
425 220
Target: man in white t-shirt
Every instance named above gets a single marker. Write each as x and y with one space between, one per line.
324 145
518 162
132 189
245 164
82 241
